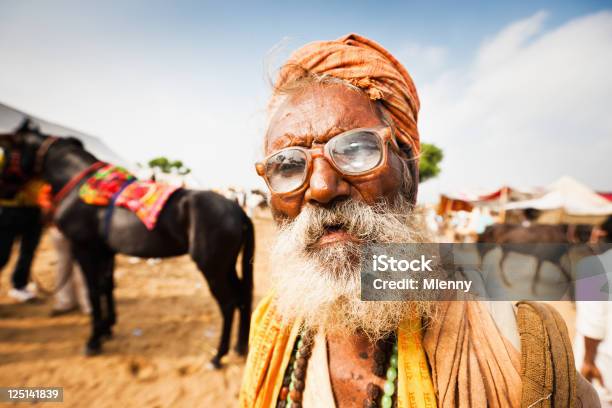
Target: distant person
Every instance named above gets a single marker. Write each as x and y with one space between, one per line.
594 318
71 289
20 218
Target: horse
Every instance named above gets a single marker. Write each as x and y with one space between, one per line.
534 240
210 228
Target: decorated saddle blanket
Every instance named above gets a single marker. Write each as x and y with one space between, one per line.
114 185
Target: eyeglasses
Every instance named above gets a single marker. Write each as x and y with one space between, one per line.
354 153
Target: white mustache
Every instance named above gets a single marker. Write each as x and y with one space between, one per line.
327 278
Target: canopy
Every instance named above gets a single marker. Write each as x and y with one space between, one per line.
11 118
569 195
466 200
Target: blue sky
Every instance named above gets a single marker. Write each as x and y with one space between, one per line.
188 79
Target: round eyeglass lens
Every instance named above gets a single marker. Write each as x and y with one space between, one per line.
286 170
356 152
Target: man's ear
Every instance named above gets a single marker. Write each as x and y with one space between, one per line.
406 150
412 165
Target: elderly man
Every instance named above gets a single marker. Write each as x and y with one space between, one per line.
342 152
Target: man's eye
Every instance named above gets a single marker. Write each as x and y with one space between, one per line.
289 168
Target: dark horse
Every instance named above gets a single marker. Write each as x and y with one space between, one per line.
535 240
207 226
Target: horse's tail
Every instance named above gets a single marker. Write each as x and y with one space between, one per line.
248 257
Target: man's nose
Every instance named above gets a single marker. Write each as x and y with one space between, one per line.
325 183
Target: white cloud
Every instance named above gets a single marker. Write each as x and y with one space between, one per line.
425 62
508 42
143 97
533 106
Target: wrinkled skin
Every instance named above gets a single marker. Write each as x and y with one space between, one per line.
310 118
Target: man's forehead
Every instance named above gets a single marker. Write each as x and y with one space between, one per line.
318 114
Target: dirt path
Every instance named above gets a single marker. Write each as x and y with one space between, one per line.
167 332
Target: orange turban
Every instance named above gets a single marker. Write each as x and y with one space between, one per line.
367 65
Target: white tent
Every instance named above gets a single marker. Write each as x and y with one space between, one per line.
568 200
11 118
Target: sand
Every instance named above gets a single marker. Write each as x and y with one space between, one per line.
167 331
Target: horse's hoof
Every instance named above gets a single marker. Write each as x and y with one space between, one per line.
241 350
214 364
92 350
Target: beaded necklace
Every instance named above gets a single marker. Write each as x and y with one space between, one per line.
385 366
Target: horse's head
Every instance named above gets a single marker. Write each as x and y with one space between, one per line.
13 162
22 155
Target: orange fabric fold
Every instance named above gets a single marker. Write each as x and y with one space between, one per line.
368 66
472 364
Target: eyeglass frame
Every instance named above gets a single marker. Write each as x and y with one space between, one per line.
383 132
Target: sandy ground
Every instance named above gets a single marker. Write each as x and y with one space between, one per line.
167 332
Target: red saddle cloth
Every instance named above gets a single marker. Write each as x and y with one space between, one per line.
146 199
114 185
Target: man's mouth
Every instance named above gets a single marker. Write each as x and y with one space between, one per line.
334 234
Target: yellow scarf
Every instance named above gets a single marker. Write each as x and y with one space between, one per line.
271 343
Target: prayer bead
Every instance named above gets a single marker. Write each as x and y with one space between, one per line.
299 373
287 380
295 395
391 373
393 361
299 385
386 402
389 388
301 363
284 392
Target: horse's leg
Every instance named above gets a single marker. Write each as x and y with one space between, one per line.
567 274
110 317
244 318
501 269
90 261
7 237
218 277
536 277
228 302
246 285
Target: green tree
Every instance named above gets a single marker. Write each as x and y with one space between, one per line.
166 166
429 165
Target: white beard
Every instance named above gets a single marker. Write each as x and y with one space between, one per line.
321 285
